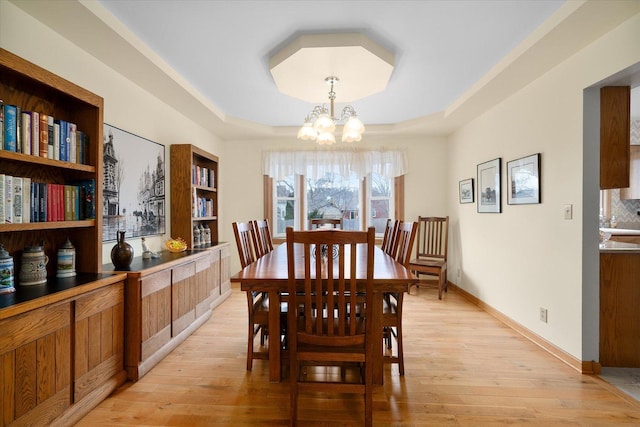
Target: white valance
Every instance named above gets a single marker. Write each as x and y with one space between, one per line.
315 164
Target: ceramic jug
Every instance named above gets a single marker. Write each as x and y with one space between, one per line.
122 252
6 271
66 260
33 270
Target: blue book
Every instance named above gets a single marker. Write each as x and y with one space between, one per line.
43 202
34 214
10 127
64 141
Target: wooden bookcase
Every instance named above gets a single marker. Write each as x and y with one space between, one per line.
35 89
185 158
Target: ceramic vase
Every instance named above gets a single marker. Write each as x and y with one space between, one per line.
121 253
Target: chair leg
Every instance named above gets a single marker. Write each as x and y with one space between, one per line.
250 347
400 348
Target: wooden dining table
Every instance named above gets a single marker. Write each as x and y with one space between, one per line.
269 274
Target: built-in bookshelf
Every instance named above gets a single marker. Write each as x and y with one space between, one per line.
33 89
194 192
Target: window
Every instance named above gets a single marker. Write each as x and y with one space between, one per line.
334 196
286 205
380 201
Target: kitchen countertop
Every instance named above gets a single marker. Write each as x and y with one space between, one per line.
619 247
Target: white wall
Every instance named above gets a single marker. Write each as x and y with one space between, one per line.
126 105
528 256
241 176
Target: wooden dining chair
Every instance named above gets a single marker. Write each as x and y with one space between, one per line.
257 302
392 302
325 327
431 252
321 222
389 241
262 240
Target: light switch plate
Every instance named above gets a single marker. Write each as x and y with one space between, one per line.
568 211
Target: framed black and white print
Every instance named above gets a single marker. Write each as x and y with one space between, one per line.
134 185
466 190
523 180
489 179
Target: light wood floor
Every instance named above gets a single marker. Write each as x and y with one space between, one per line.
463 368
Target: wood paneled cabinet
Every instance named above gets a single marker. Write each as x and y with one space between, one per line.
60 359
169 298
619 314
194 192
615 137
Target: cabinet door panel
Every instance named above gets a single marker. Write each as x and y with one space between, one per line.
183 297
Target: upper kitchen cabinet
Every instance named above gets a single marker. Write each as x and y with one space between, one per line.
615 125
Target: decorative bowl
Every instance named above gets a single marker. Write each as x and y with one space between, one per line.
176 245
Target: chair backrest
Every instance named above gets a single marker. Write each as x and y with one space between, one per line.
244 238
433 235
405 237
262 241
389 242
330 283
319 222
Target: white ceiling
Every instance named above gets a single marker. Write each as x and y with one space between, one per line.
223 47
453 59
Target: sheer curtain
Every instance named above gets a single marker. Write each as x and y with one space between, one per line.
315 164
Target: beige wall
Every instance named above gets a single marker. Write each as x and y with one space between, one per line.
529 256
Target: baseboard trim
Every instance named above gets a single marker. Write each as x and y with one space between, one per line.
583 366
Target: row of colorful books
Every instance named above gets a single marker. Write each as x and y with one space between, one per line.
39 134
203 177
24 201
202 207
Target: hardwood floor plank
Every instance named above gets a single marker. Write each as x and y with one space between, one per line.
463 368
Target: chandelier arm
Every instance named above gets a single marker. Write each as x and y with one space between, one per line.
348 112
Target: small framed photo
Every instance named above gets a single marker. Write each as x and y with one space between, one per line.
489 179
466 190
523 180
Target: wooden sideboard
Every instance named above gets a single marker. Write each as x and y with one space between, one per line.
167 299
61 347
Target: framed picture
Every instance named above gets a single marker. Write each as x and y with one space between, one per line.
523 180
489 179
466 190
134 185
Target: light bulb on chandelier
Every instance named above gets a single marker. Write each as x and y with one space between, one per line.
320 123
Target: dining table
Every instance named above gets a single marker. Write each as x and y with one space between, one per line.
269 274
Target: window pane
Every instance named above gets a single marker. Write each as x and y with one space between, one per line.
380 201
284 215
335 196
285 187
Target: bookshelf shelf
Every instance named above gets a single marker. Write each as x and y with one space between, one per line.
186 191
33 88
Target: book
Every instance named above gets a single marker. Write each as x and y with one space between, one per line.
67 203
25 131
1 127
35 133
56 141
43 136
26 200
18 130
51 215
72 143
2 184
50 136
34 213
8 199
10 127
42 202
17 200
86 198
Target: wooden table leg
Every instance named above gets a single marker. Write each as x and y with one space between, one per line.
378 365
274 336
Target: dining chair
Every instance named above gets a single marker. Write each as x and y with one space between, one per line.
321 222
389 242
262 240
325 327
257 302
392 301
431 252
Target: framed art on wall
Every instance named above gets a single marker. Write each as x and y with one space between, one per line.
489 179
466 190
133 188
523 180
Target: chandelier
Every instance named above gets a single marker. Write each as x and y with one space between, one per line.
320 123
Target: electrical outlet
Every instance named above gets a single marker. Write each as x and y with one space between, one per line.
543 315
